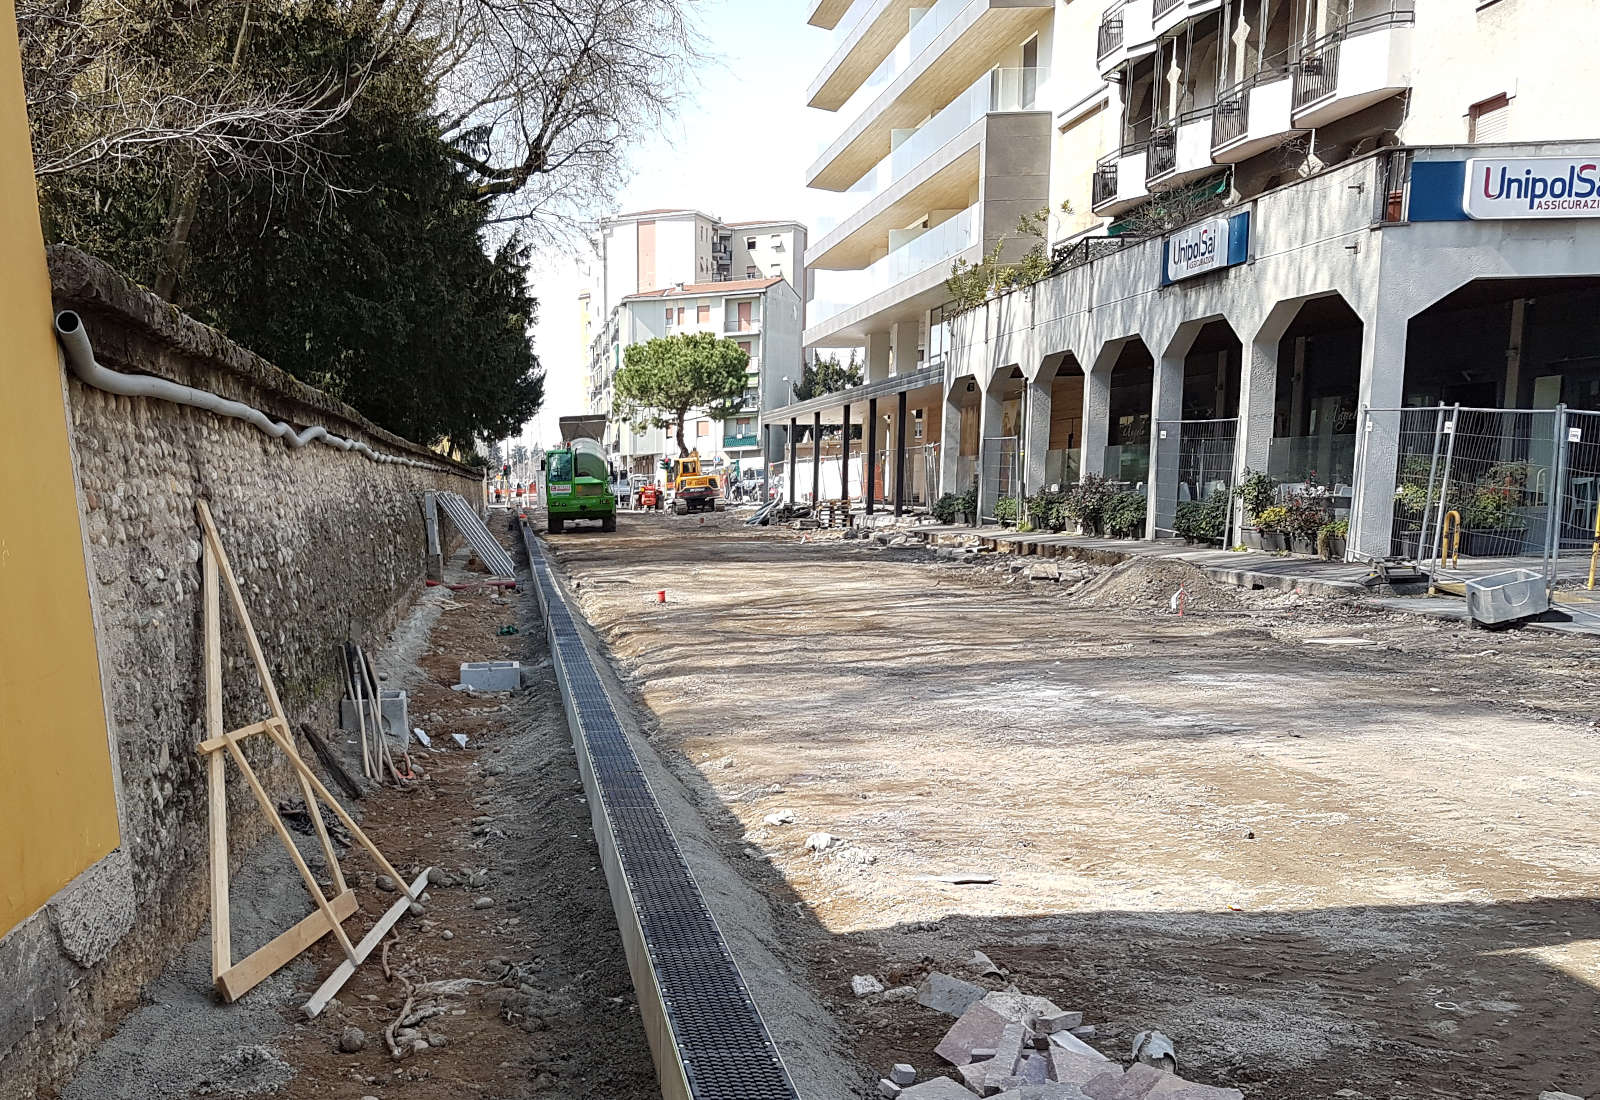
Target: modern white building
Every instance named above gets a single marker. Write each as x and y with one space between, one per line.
1271 221
664 272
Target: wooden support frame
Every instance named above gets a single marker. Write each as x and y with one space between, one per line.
232 979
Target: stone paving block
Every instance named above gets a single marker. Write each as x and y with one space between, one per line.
978 1027
1007 1050
1136 1084
1052 1022
1076 1069
952 996
1050 1090
1065 1040
997 1085
1176 1088
1018 1006
1035 1069
973 1075
889 1090
939 1088
903 1074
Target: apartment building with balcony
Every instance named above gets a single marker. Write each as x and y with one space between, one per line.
660 272
1281 217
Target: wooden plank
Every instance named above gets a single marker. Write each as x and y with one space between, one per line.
262 964
369 943
216 775
288 842
344 818
220 741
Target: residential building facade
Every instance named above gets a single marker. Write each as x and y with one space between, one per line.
663 272
1271 221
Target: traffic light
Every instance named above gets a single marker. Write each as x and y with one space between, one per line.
505 471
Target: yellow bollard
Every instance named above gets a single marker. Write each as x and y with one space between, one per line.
1594 557
1450 553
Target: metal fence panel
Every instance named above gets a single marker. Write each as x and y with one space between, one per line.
1001 478
1202 453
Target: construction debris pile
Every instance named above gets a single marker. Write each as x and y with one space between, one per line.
1013 1046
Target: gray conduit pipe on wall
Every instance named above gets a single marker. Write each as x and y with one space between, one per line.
80 358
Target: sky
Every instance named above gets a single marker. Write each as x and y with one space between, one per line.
737 149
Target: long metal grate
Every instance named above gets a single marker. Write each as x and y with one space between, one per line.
719 1048
470 524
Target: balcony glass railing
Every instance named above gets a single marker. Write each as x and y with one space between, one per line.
996 91
934 247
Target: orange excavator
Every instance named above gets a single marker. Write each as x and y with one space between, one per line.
692 490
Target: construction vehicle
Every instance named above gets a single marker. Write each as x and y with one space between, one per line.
692 490
577 477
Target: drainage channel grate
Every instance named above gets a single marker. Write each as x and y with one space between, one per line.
721 1045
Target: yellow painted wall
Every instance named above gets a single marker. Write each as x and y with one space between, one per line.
58 812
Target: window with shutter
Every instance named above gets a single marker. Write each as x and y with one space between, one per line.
1489 120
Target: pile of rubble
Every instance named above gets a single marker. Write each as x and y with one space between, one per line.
1013 1046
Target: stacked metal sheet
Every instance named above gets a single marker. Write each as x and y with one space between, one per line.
485 545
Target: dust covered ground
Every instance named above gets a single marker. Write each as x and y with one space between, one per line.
1354 870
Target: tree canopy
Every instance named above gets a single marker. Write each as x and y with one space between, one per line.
351 188
827 375
663 380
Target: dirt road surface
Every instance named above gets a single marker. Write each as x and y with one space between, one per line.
1367 869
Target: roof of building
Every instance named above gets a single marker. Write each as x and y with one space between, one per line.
768 221
679 210
698 290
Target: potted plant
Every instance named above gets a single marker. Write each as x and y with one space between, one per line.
1307 513
1257 492
1332 539
1086 503
1491 527
1125 516
1006 511
1410 501
946 508
1271 524
968 504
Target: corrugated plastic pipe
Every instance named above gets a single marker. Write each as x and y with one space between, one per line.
80 358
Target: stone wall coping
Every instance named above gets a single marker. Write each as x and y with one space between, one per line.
104 297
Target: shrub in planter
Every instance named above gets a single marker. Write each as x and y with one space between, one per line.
968 502
1203 520
1331 539
1492 526
1048 510
1006 511
1272 523
946 508
1124 516
1087 501
1305 514
1257 492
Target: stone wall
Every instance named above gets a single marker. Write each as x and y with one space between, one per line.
327 545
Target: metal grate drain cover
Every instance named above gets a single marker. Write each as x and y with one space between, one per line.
722 1045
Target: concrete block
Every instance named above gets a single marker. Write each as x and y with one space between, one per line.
889 1089
392 705
903 1074
492 675
952 996
978 1027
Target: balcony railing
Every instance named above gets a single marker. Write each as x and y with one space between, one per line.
1161 7
997 91
1163 153
736 324
933 21
1110 33
1317 73
934 248
734 441
1104 186
1231 118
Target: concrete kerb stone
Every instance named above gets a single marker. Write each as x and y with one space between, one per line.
492 675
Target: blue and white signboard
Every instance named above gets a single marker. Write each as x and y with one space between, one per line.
1205 246
1536 187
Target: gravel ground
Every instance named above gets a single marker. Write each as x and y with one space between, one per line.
543 1005
1361 869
